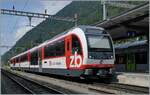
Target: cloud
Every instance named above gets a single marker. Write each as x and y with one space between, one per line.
14 28
54 6
36 21
21 31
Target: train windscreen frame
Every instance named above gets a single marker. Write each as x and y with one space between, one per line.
99 43
100 52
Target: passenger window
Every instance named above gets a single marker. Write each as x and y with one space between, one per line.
55 49
76 46
34 57
23 58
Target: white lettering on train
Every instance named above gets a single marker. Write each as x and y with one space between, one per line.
76 60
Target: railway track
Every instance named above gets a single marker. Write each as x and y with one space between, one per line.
13 86
125 88
114 88
106 88
101 91
31 86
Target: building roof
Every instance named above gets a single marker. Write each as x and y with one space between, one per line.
131 44
133 22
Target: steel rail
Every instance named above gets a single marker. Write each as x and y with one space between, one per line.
41 87
28 90
132 87
125 88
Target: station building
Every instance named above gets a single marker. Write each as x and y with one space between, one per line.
132 56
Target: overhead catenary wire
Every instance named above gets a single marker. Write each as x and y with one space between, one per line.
17 17
13 29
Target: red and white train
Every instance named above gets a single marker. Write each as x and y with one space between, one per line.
79 52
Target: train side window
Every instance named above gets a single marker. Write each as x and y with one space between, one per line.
60 50
62 46
13 62
48 51
76 46
56 49
23 58
34 57
16 60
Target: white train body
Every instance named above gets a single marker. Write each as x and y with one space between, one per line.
81 51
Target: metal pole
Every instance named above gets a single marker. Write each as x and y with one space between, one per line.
147 37
29 20
0 45
104 9
76 18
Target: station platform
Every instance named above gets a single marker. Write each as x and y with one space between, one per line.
138 79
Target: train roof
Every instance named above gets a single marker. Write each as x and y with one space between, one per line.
131 44
83 27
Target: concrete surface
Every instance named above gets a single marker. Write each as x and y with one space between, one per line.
139 79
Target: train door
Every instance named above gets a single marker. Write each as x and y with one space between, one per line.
131 66
68 52
40 59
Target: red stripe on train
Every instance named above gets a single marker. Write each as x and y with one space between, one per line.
90 66
86 66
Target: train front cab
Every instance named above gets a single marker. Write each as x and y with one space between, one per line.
100 62
74 55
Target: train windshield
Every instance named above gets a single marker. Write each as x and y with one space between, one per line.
99 43
99 47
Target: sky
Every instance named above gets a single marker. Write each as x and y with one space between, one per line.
12 28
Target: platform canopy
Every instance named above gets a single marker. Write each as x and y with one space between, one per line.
133 22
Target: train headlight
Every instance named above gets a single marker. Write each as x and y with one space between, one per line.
99 72
111 56
88 71
112 71
90 57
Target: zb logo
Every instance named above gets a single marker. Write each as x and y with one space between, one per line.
76 60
